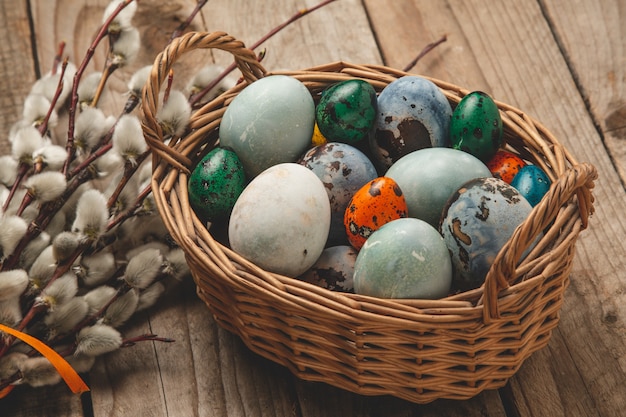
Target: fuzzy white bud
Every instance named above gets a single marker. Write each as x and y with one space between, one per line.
36 107
38 372
59 292
42 269
91 126
25 142
174 115
97 269
34 248
46 186
128 140
126 46
81 363
52 157
87 90
143 268
8 170
66 316
91 214
99 297
137 249
206 76
177 266
13 229
121 309
149 296
97 340
12 283
64 245
10 313
10 364
138 80
124 18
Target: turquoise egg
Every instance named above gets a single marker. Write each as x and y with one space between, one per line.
343 169
334 269
346 111
476 126
477 221
413 114
269 122
428 177
405 258
215 184
532 182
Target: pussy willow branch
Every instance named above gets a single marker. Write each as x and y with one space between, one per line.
43 127
57 58
425 51
181 28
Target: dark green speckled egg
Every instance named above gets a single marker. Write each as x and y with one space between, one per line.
215 184
346 111
476 126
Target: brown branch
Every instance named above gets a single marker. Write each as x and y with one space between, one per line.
425 51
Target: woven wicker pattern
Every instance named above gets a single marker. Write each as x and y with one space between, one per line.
418 350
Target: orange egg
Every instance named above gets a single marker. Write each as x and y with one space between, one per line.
376 203
505 165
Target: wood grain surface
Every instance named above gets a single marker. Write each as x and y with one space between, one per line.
562 62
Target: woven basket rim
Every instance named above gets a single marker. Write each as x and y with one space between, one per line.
470 315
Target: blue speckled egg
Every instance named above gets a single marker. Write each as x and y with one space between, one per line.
269 122
343 169
477 221
429 176
405 258
334 269
532 182
413 114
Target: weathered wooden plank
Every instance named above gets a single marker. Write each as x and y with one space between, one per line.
592 36
509 49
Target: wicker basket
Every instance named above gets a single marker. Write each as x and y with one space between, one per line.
418 350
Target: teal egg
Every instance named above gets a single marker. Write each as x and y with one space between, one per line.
428 177
215 184
478 220
476 126
405 258
413 113
269 122
346 111
532 182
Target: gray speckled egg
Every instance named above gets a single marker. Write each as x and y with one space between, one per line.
413 114
477 221
343 169
334 269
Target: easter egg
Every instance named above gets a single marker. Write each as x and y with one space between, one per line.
317 138
429 176
405 258
281 219
413 114
269 122
376 203
343 169
477 221
532 182
334 269
215 184
476 126
346 111
505 165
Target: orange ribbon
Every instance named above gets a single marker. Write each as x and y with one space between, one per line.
69 375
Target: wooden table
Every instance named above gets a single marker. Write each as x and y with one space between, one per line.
563 62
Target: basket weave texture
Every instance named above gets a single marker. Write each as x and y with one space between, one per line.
418 350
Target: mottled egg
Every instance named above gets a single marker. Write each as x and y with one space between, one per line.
376 203
477 221
343 169
269 122
532 182
281 219
476 126
505 165
429 176
405 258
215 184
334 269
346 111
413 114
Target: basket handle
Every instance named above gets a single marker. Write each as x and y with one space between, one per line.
246 62
576 181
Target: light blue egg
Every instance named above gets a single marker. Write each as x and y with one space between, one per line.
343 169
477 221
428 177
413 114
532 183
269 122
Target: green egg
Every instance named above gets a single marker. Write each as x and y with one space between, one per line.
476 126
346 111
215 184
